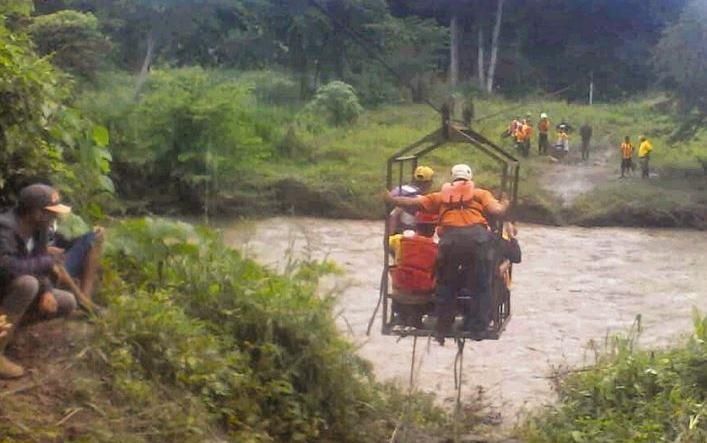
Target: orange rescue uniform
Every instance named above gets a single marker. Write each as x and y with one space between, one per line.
471 212
626 150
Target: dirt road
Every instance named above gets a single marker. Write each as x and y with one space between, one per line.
574 285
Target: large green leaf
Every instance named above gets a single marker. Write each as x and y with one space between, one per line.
100 135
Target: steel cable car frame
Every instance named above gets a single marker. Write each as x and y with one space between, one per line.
451 131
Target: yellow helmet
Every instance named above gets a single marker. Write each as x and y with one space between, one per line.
423 173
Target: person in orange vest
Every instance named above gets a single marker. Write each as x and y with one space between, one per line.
513 127
626 156
413 276
527 135
543 129
465 246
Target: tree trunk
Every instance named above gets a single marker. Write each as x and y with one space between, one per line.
480 59
454 51
146 63
494 47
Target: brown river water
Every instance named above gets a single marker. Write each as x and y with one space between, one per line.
575 285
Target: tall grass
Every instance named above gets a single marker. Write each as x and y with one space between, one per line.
631 395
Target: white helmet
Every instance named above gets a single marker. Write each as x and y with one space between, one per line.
543 115
461 172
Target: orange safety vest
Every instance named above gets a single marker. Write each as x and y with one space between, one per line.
456 196
626 150
544 126
415 268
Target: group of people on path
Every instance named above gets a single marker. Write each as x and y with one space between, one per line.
459 265
43 275
521 130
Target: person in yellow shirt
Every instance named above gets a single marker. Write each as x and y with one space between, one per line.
644 156
626 156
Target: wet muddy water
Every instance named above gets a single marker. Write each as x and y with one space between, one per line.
575 285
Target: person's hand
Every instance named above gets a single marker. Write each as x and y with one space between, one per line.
5 326
47 303
56 253
100 234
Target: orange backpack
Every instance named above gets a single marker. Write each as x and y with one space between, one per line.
414 272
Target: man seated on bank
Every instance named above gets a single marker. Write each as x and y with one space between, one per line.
465 246
26 265
400 218
413 276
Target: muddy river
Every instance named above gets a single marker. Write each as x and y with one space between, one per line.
574 286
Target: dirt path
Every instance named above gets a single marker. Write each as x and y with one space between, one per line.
572 177
574 285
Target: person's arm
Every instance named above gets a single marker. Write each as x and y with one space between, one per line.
490 204
15 266
404 202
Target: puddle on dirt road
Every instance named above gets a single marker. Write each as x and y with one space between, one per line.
574 285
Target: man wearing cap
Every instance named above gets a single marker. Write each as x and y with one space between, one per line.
403 219
464 235
26 264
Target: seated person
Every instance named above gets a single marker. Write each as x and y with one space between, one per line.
26 265
413 278
401 218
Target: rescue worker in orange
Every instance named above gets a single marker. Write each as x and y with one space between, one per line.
543 129
413 275
626 156
513 127
465 247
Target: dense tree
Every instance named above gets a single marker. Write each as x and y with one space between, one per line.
73 40
681 60
40 136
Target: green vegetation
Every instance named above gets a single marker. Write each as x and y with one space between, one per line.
631 395
41 135
263 107
199 342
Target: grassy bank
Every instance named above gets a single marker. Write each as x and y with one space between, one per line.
240 143
631 395
345 170
199 344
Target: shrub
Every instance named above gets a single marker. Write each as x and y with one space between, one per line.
261 351
337 103
632 395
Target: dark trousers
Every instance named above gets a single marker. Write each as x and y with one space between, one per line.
463 269
625 166
543 143
585 149
645 169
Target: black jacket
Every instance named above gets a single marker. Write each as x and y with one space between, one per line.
15 259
